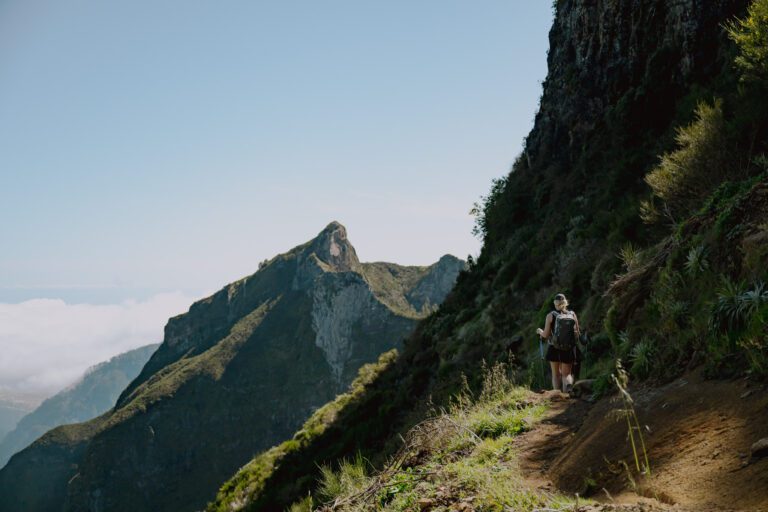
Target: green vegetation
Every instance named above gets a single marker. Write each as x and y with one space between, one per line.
391 284
463 454
701 293
684 150
238 493
684 176
93 395
634 430
235 375
751 35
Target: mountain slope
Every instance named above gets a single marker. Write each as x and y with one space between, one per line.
13 407
93 395
236 374
623 79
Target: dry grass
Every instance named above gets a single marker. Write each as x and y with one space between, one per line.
462 456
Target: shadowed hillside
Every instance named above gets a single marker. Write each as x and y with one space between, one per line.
93 395
640 193
236 374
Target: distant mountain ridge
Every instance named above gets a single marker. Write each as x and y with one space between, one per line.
94 394
236 374
13 407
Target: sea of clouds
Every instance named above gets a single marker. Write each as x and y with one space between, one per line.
47 344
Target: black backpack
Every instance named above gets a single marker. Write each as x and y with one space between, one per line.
563 330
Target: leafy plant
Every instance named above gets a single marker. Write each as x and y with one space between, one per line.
624 346
685 176
729 312
696 261
480 210
738 318
641 357
751 36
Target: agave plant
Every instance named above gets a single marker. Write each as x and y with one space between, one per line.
736 306
641 357
696 261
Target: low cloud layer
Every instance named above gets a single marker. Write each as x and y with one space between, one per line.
47 344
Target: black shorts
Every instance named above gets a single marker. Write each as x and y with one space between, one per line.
555 355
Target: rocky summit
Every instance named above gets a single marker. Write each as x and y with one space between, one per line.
238 373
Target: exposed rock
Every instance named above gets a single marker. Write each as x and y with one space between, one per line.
426 503
622 76
238 373
759 448
582 387
433 288
597 49
513 344
338 305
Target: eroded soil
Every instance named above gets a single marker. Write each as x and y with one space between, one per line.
698 435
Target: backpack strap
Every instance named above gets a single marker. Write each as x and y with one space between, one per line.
554 315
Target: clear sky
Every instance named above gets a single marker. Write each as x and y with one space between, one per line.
152 147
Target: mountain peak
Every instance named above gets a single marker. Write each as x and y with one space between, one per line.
332 247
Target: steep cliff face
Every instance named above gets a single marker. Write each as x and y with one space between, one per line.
622 76
614 54
236 374
93 395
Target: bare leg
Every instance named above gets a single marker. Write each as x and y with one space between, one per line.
566 377
556 379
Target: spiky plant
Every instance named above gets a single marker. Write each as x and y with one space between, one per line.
641 357
696 261
737 306
630 256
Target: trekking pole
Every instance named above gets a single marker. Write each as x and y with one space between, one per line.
541 357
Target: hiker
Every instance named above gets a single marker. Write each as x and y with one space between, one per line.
561 330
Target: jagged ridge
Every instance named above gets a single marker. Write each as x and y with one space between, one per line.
238 373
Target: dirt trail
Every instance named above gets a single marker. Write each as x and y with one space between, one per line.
699 439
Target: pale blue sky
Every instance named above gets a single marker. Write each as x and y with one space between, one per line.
172 145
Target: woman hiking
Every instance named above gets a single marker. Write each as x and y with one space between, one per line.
561 331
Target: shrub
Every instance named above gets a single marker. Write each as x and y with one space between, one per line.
751 36
481 210
350 479
630 256
685 176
